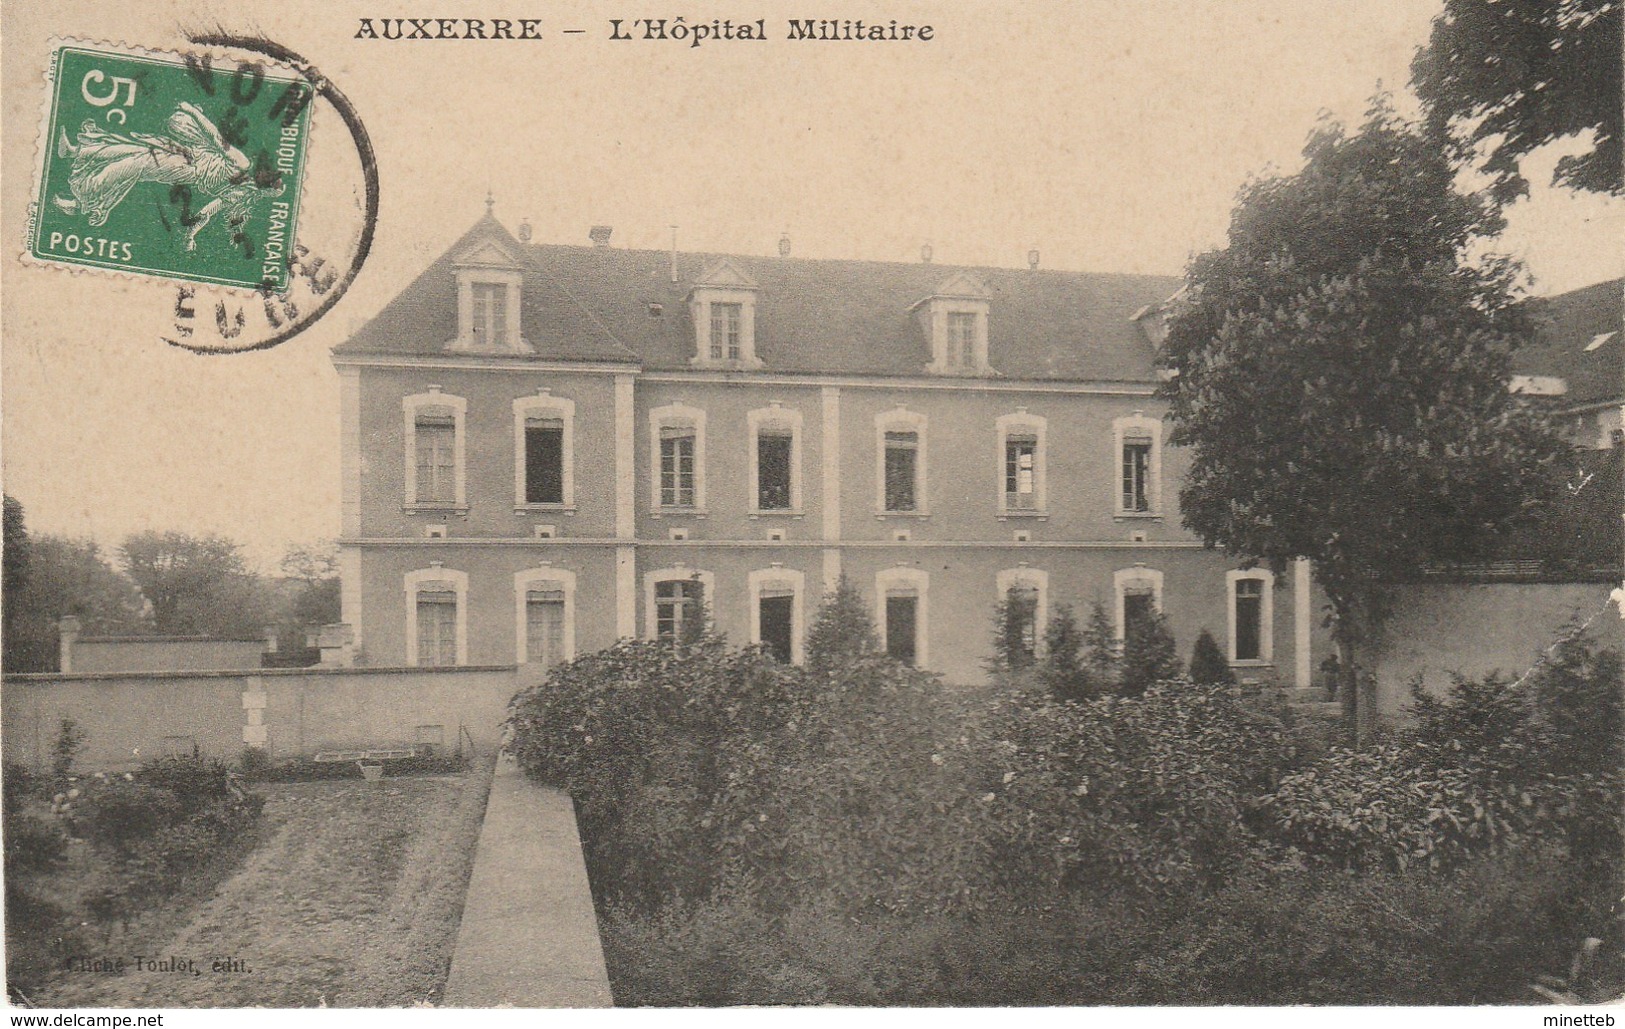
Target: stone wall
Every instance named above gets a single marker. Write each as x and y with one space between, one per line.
130 717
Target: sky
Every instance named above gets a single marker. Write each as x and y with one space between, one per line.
1109 136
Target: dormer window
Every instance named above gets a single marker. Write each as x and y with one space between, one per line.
962 339
723 306
954 318
489 284
725 323
489 313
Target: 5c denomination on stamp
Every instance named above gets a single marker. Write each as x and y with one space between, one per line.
168 165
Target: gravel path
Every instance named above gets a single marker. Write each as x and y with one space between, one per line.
352 900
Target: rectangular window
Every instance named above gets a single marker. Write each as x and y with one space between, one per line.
676 606
1138 607
544 627
1020 463
490 313
676 467
1249 619
544 461
902 460
773 453
437 628
436 459
962 339
725 320
1136 474
900 627
777 608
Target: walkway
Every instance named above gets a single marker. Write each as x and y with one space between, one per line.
529 936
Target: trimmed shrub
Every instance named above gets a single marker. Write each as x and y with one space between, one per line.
1208 664
1149 655
1015 631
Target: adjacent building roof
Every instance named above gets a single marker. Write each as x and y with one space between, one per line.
1580 342
599 303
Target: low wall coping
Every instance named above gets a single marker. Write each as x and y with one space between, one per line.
25 678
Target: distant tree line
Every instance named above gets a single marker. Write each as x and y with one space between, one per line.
158 583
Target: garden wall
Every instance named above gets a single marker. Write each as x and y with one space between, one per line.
290 712
1435 629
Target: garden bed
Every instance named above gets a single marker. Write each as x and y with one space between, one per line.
351 898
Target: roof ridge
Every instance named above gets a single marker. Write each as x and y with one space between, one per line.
777 259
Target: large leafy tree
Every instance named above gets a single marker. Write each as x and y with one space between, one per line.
1340 377
197 585
49 576
1504 78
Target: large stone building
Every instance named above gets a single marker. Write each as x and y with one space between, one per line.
549 447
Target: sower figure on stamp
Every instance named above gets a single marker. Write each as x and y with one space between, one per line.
107 165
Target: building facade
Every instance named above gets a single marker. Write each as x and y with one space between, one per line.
546 448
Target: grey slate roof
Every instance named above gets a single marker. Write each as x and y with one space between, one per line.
1569 322
584 303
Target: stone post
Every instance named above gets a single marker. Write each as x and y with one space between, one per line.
68 631
337 643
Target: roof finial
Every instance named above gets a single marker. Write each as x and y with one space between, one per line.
490 202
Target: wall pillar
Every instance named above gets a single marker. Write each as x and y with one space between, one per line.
626 593
254 730
832 568
830 447
1302 612
625 469
68 634
337 643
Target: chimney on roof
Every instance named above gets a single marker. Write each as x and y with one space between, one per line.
925 252
1032 259
600 234
784 245
524 231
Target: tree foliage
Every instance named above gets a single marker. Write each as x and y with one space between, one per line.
1150 655
197 585
1508 78
52 576
1340 374
1208 664
843 628
1015 631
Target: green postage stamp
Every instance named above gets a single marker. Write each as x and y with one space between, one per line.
164 165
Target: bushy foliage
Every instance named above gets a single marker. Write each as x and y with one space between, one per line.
646 736
1208 664
860 833
843 628
119 815
871 795
1063 670
1144 792
1318 936
193 779
1080 664
1015 628
1489 764
1149 655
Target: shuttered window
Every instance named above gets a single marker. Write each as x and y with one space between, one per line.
902 464
544 461
436 440
437 627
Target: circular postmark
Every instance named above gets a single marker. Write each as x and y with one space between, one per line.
231 182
